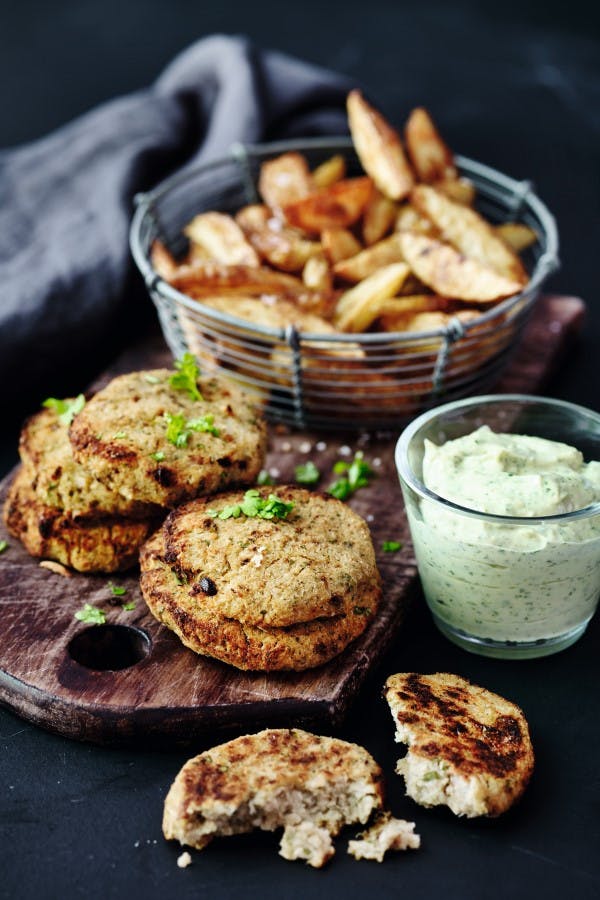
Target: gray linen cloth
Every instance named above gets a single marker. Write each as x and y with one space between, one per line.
68 289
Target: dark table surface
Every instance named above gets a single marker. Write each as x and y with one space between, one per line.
516 85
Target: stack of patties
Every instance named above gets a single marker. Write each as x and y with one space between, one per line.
263 581
97 478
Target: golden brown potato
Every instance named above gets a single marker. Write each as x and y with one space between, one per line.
451 274
284 180
379 148
339 205
284 248
222 238
338 244
379 217
516 235
432 160
162 261
358 307
461 190
408 219
317 275
368 261
330 171
466 230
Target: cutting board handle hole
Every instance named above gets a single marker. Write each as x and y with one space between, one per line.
109 647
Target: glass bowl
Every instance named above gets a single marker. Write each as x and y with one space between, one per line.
341 381
508 586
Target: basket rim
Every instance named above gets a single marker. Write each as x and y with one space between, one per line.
521 192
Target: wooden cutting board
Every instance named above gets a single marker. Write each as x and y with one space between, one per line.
133 681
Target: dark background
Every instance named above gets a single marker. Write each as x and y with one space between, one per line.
517 85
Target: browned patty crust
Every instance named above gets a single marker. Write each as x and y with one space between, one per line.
62 484
105 545
319 562
296 647
122 437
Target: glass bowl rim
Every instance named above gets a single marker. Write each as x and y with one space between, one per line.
408 477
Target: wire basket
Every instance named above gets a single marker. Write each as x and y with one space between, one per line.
371 380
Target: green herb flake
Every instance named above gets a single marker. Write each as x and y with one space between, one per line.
355 475
116 589
151 379
186 376
307 473
158 456
91 615
264 478
430 776
254 506
66 410
179 428
119 435
129 606
3 546
391 546
361 611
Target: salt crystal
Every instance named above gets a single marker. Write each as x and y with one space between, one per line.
320 446
345 451
305 447
184 860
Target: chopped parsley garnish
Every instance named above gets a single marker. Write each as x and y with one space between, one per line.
391 546
179 428
307 473
361 611
355 475
3 546
119 435
116 589
158 456
151 379
254 506
129 606
91 615
186 376
66 410
264 477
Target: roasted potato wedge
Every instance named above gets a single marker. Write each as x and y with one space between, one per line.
256 215
284 180
317 274
283 248
398 312
368 261
358 307
408 219
461 190
163 262
330 171
451 274
466 230
338 244
222 238
379 148
516 235
339 205
432 159
379 217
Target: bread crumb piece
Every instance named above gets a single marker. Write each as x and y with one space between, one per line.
184 860
308 842
55 567
386 834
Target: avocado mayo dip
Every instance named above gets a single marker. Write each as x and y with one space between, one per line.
508 582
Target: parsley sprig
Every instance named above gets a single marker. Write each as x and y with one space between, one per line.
179 428
254 506
354 474
66 410
391 546
307 473
116 590
186 376
91 615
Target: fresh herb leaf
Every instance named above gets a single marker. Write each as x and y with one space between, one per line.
151 379
91 615
129 606
179 428
119 435
186 376
391 546
66 410
3 546
357 474
361 611
254 506
158 456
307 473
265 478
116 589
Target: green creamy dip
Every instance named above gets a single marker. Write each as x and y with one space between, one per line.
508 582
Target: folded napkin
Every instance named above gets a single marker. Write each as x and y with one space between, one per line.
68 289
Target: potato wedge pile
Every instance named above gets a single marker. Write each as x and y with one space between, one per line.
399 248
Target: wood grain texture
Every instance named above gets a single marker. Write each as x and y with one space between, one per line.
171 695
